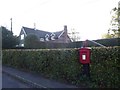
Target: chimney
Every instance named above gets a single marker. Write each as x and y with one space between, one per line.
11 24
65 33
65 27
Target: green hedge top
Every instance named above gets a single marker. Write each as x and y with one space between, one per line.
63 64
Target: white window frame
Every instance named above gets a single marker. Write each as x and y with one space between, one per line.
22 45
22 36
47 37
42 39
52 36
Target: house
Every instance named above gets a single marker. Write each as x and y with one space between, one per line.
44 36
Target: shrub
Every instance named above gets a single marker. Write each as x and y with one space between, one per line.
63 64
105 66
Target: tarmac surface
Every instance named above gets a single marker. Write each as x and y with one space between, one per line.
28 80
10 82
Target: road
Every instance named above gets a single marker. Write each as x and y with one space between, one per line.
10 82
31 79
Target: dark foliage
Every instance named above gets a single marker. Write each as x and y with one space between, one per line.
8 40
64 65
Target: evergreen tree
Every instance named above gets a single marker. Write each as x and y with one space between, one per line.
8 40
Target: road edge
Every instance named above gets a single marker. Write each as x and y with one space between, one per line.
32 84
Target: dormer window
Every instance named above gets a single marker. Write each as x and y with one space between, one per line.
52 36
47 37
42 39
22 36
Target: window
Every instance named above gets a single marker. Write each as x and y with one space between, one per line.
52 36
22 45
42 39
47 37
22 36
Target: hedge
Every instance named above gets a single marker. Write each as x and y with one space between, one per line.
64 65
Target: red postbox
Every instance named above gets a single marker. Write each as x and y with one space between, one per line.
84 54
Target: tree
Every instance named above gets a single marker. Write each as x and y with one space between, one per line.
106 36
31 41
74 36
114 30
8 40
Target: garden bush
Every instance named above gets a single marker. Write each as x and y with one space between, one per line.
105 66
64 65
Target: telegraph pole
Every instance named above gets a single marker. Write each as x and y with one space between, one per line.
11 24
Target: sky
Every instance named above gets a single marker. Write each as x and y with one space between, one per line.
91 18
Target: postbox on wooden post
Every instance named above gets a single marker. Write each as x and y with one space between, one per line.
84 58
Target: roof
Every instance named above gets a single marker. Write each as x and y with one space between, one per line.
41 33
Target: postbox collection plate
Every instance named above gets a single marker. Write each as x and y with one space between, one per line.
84 55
